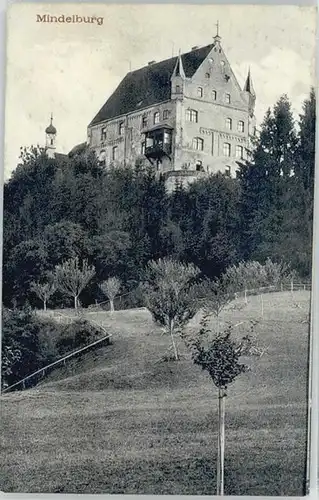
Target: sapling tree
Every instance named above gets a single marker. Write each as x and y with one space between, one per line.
170 294
71 277
217 297
111 288
43 290
220 355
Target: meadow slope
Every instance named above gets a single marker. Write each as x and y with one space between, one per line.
122 420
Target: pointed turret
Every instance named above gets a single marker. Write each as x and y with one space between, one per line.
179 69
178 78
249 88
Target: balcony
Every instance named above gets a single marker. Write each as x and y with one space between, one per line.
158 142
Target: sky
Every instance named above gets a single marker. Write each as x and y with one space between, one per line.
71 69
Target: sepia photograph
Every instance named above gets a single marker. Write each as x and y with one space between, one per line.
157 272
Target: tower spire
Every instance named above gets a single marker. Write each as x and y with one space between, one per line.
217 37
179 69
248 87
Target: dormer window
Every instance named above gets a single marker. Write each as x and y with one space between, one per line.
227 98
228 123
121 128
207 75
156 117
200 91
178 89
165 114
214 95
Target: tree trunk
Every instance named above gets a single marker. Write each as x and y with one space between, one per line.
171 331
221 442
44 305
112 305
75 302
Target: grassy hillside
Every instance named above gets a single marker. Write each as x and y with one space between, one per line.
122 420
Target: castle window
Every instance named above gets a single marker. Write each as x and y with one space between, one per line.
227 98
226 149
191 115
240 152
102 157
51 142
200 91
199 166
144 121
156 117
114 153
177 89
240 126
207 75
165 114
198 144
214 95
143 148
228 171
121 128
103 134
228 123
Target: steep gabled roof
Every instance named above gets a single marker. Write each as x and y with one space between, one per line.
148 85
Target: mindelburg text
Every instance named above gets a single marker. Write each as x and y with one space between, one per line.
75 19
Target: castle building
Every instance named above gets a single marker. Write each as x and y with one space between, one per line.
187 116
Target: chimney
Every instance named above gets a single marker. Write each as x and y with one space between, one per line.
150 63
194 48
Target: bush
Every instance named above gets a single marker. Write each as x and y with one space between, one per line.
253 274
76 335
21 353
30 343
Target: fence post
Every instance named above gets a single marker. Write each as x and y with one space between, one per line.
304 287
281 287
262 305
245 296
292 286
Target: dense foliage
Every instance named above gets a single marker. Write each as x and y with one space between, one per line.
117 220
30 342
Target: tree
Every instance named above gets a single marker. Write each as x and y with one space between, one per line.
265 181
71 278
217 297
43 290
21 347
220 355
170 294
111 288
